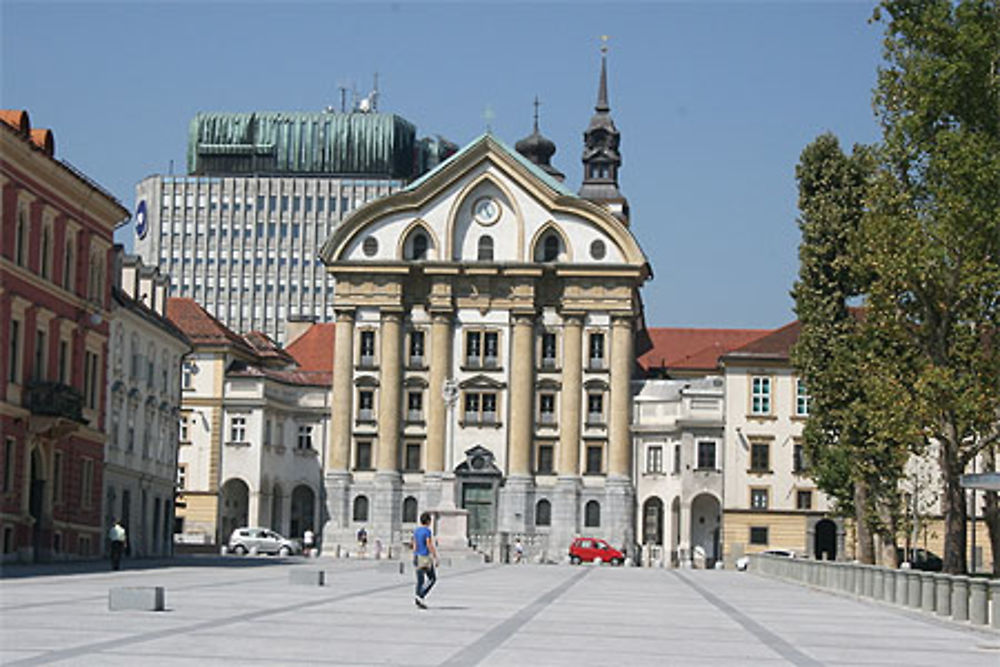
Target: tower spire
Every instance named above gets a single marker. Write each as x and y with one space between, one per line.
539 149
602 88
601 159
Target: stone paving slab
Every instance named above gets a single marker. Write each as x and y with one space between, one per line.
225 611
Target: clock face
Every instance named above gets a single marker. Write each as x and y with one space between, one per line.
486 210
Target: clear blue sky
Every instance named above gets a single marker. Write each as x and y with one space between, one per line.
715 102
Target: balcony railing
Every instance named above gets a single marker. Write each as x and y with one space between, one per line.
54 399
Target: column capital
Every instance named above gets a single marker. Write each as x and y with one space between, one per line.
391 315
575 317
622 319
442 316
345 314
523 317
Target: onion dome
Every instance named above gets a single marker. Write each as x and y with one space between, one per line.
539 149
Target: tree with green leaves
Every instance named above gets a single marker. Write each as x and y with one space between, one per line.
930 239
849 458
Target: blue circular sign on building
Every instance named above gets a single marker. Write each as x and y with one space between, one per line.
141 225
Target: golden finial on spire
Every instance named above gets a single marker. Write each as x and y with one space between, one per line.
604 44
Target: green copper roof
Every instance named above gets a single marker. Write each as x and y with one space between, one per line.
528 164
375 144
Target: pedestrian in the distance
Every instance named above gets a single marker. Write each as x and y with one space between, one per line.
117 538
518 551
308 540
425 559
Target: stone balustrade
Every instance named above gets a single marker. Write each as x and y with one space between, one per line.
971 600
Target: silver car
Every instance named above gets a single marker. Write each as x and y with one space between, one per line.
264 540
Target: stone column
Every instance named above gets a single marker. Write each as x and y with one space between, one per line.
618 485
437 410
979 601
927 592
386 510
620 415
521 396
339 446
684 532
571 397
516 496
959 598
390 392
942 597
566 505
337 479
914 595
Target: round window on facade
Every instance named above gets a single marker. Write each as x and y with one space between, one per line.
597 249
370 246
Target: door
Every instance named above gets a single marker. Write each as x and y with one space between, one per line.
477 498
825 547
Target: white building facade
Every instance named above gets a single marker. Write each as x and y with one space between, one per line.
678 435
140 459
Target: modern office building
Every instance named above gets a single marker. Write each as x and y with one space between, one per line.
240 232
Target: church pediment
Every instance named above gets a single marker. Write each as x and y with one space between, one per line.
485 205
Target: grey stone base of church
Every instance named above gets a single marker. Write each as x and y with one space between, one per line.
575 507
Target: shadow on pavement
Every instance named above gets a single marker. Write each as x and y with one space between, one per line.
24 570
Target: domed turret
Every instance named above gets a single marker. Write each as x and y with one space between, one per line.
539 149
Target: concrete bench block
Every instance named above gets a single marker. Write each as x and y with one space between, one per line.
307 577
902 588
140 598
913 592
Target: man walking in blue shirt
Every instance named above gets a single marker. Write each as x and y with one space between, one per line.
425 558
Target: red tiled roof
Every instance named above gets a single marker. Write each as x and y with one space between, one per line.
17 119
775 345
267 348
693 349
200 327
312 378
313 350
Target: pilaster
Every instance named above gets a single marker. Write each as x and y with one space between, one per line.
437 412
571 396
619 438
521 395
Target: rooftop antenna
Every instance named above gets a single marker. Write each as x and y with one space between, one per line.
343 98
374 95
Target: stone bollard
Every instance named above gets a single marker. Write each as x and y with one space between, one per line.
927 592
913 593
942 596
141 598
878 583
979 601
307 577
995 597
959 598
870 582
890 585
902 587
859 579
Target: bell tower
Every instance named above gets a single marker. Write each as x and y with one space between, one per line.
601 158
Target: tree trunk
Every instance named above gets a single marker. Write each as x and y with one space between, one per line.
887 538
954 510
991 512
866 548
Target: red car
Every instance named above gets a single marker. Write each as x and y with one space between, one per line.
587 549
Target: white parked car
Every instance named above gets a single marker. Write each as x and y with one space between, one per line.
266 541
743 562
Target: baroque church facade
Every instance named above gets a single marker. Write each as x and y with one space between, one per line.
485 340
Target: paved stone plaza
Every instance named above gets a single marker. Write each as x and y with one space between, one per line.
245 611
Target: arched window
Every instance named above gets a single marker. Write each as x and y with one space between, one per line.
410 510
420 245
550 248
485 248
543 513
360 508
592 514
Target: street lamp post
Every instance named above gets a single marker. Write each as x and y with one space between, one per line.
449 392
